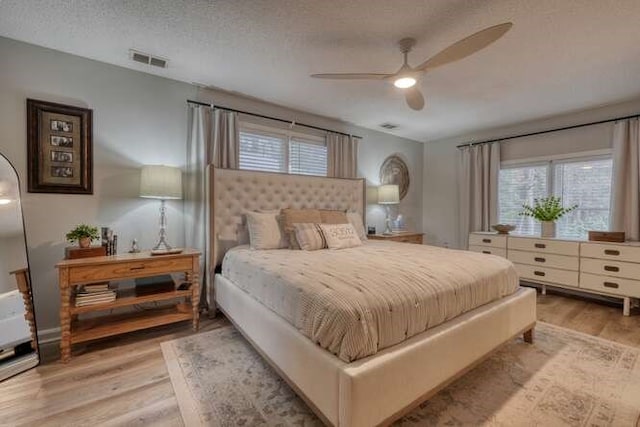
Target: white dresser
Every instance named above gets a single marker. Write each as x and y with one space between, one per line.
611 269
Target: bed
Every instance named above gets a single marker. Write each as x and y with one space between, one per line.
356 382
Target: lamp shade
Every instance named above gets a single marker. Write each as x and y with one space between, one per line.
161 182
388 195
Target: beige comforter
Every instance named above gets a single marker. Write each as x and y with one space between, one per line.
354 302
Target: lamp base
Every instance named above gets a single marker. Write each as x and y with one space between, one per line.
166 252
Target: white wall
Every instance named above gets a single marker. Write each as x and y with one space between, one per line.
375 147
138 119
440 189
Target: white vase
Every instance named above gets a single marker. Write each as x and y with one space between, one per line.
548 229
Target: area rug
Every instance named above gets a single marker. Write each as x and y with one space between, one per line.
564 379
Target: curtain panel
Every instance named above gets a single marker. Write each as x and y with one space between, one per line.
625 195
342 155
213 139
479 168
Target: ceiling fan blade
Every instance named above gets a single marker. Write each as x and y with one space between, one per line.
352 76
466 46
414 98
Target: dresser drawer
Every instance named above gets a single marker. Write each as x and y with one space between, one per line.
613 252
610 285
610 268
545 260
489 250
560 247
548 275
488 239
129 269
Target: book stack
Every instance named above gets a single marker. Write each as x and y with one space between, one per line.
98 293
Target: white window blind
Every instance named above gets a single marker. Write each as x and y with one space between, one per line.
282 152
517 186
263 151
307 157
585 182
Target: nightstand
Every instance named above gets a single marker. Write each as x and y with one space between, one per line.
400 236
75 272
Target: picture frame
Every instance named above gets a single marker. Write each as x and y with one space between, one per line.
59 148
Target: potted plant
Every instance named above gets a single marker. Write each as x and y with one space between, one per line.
547 210
83 234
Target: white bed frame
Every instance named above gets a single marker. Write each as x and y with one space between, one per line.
374 390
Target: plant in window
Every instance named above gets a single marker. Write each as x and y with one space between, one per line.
547 210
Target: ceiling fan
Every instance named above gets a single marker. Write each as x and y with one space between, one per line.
407 76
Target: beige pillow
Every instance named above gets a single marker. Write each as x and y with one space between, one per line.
265 230
340 236
355 219
309 236
333 217
293 216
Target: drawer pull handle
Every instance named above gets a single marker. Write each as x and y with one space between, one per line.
611 252
486 240
539 273
486 252
540 245
611 285
137 268
537 259
611 268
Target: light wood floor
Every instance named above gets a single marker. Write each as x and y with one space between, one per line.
124 381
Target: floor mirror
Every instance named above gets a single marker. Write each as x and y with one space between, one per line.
18 340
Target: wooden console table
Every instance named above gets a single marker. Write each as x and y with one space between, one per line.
74 272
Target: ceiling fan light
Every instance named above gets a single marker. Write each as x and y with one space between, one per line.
404 82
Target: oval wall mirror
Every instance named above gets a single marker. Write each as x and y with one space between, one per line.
18 341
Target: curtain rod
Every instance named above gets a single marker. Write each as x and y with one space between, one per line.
189 101
469 144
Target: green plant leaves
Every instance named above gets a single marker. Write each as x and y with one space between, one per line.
546 209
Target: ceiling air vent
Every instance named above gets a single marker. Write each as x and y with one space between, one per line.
389 126
145 58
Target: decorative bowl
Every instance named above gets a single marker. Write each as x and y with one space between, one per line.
503 228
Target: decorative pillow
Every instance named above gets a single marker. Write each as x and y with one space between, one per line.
333 217
355 219
293 216
340 236
265 230
309 236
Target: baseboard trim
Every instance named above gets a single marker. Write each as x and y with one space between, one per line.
48 336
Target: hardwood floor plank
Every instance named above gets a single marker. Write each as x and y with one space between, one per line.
123 381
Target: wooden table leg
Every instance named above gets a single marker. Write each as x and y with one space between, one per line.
65 316
195 300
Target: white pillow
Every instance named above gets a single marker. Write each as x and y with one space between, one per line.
340 236
265 230
309 236
355 219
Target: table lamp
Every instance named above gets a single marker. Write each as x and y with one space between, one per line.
164 183
388 195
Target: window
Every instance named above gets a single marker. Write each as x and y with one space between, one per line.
307 157
282 152
585 182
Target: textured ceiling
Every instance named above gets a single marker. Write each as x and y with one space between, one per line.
560 56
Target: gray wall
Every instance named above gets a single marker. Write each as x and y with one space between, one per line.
138 119
440 189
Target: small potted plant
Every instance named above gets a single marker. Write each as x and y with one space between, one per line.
83 234
547 210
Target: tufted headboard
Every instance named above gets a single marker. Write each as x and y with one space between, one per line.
233 192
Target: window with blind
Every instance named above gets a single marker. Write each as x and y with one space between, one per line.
282 152
585 182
